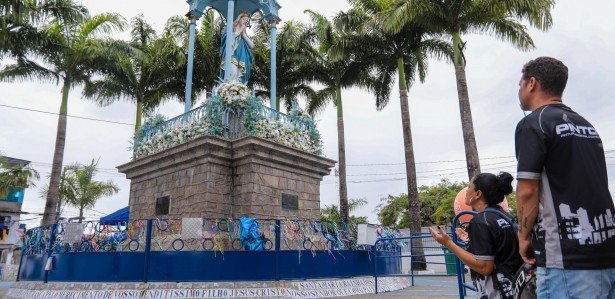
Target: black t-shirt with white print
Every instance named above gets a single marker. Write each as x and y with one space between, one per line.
575 228
493 238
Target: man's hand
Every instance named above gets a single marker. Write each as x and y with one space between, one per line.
526 250
441 237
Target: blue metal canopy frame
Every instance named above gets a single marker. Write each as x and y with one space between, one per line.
230 9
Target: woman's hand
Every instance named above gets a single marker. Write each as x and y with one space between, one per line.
441 237
462 234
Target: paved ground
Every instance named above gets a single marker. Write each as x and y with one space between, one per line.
4 287
428 287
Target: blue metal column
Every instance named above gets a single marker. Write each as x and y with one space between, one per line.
411 258
148 246
20 262
274 50
188 102
230 18
375 267
52 238
277 249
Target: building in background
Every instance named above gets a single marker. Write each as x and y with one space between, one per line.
10 213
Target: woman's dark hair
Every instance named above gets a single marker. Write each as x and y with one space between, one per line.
494 187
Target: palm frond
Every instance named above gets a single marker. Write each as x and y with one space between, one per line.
102 24
27 70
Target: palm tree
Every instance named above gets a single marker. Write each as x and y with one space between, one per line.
294 55
335 75
500 19
19 20
331 213
81 190
141 75
406 53
206 54
70 52
15 177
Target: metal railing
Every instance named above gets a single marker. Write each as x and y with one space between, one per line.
462 285
405 247
224 122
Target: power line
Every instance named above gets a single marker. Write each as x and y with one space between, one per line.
418 177
443 161
73 116
426 162
428 171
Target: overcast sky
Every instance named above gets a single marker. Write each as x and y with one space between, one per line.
579 37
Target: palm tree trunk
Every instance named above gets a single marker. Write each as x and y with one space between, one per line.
341 147
139 115
467 126
50 215
414 205
81 214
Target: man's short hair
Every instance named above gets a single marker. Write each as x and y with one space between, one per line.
550 72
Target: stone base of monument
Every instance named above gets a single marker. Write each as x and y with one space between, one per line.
213 177
277 289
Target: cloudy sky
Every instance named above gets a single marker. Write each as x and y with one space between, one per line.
374 142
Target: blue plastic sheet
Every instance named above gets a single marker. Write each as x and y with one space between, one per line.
249 236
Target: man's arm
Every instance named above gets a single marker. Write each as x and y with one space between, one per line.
527 206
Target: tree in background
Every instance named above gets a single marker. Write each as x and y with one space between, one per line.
15 177
141 75
19 21
334 73
436 202
331 213
295 59
500 19
207 61
70 52
405 54
81 190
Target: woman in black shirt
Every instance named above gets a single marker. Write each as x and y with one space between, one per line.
493 253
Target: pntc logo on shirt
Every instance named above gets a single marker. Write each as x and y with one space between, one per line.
568 129
503 223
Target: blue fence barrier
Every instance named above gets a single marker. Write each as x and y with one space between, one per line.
405 247
196 249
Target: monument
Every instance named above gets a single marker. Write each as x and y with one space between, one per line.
233 156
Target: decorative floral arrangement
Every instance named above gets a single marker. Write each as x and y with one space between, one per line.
296 130
172 136
234 94
300 115
287 134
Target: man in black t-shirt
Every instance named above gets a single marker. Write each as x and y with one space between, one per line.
566 213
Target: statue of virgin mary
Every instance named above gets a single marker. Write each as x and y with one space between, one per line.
241 60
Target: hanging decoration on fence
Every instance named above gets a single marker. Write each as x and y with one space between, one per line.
199 234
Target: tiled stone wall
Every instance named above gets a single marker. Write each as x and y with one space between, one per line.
276 289
213 177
